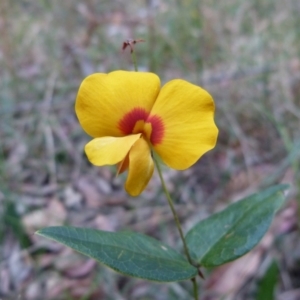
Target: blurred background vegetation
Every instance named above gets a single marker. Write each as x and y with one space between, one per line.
245 53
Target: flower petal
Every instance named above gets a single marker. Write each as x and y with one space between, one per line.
109 150
187 113
104 99
141 168
123 165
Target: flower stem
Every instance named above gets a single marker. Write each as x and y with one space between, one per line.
133 56
195 288
186 251
173 211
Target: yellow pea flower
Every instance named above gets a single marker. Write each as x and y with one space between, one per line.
129 115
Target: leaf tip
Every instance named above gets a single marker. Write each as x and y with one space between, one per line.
40 233
285 186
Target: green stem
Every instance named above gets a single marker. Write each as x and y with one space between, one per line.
186 251
195 288
133 56
173 211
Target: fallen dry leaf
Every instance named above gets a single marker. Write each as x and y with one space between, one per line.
88 189
81 269
52 215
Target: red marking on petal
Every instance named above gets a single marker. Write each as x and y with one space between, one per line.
127 123
158 129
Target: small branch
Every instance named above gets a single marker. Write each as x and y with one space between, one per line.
130 43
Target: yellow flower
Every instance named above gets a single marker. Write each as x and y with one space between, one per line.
129 115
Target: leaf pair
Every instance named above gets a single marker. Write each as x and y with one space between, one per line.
221 238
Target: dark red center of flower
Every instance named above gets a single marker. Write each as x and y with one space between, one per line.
128 123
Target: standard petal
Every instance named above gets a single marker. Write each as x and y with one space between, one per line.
189 130
104 99
141 168
109 150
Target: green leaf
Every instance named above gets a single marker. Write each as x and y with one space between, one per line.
129 253
229 234
267 285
